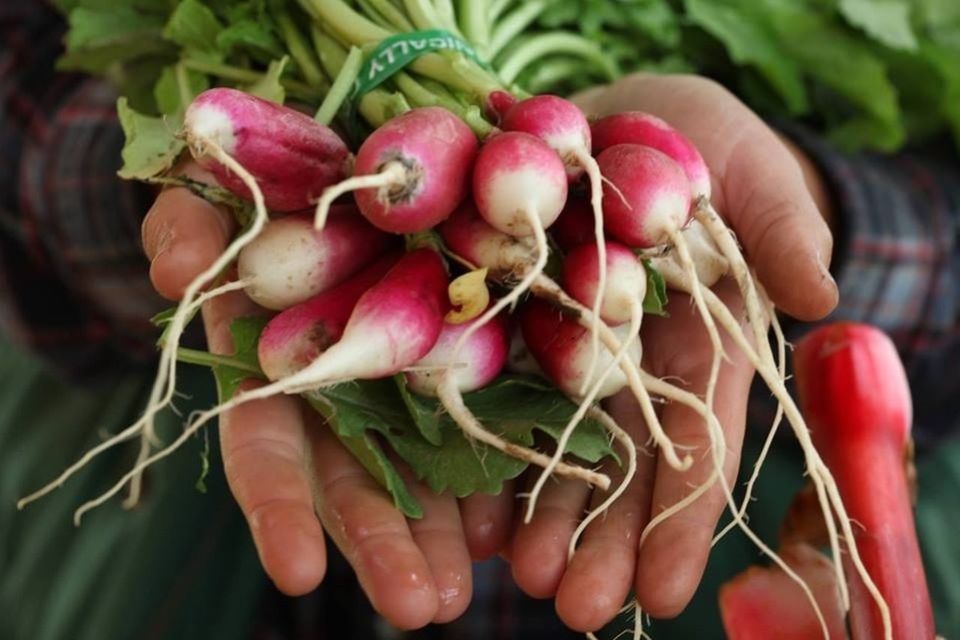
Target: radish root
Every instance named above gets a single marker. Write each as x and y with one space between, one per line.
164 386
592 169
394 173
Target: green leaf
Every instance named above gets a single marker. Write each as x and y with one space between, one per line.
369 453
655 300
250 36
424 413
850 69
151 147
513 406
749 41
269 86
177 87
886 21
230 373
100 38
195 28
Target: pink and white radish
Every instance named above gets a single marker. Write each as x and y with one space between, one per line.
290 261
636 127
292 157
394 324
562 125
482 358
575 226
296 337
561 346
479 245
625 287
411 173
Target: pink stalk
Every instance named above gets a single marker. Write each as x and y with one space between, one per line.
855 397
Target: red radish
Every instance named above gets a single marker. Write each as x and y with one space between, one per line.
394 324
636 127
295 338
520 187
856 398
483 358
519 359
646 197
292 157
626 283
469 236
559 123
561 346
290 261
411 173
519 183
765 603
575 226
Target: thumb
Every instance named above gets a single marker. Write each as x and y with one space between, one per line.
784 235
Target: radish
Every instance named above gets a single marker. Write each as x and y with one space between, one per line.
575 226
562 125
295 338
622 297
394 323
636 127
411 173
291 261
641 128
292 157
483 358
855 394
561 347
477 244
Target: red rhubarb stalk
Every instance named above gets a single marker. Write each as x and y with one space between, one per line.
855 397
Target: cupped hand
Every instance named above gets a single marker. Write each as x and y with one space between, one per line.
293 479
769 197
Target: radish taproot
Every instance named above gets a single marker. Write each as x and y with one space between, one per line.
291 261
411 173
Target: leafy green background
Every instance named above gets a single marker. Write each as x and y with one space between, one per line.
870 73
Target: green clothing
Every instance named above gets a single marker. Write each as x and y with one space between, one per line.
181 565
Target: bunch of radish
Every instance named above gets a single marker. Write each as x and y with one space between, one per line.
423 252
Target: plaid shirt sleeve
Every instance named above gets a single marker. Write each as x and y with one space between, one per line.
74 284
897 263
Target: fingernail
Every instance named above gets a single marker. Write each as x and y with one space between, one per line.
826 278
